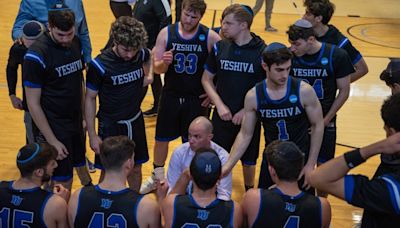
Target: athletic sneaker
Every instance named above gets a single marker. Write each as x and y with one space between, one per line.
271 29
90 166
151 112
150 184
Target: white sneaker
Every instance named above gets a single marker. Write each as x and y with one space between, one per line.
150 184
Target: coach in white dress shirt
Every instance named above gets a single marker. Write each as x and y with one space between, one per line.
200 135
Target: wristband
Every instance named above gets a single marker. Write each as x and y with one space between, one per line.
353 158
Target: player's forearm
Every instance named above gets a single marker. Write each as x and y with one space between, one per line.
90 113
329 172
317 132
160 67
340 99
12 78
361 69
181 185
240 145
41 122
209 87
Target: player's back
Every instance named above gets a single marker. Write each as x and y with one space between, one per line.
22 208
280 210
102 208
187 213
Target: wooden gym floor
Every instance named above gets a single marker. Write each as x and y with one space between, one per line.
373 28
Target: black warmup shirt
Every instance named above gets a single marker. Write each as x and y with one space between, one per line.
280 210
119 83
183 77
284 119
237 68
187 213
101 208
57 71
334 36
321 70
380 198
15 58
21 208
155 15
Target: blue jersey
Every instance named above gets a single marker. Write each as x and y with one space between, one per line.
187 213
280 210
183 77
22 208
102 208
284 119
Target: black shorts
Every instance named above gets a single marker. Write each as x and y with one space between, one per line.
225 133
75 144
328 145
175 115
133 128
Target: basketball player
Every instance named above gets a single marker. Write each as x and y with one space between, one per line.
319 13
53 83
180 52
22 202
118 76
30 32
37 10
202 208
155 15
236 62
391 75
111 203
285 205
328 69
287 107
379 197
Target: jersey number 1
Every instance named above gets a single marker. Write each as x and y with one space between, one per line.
186 63
283 135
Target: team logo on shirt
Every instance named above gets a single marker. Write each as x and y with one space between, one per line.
202 37
290 207
324 61
293 99
106 203
202 214
16 200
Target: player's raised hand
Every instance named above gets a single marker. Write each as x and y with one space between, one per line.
168 57
61 191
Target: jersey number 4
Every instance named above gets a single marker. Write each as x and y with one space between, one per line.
318 87
185 63
20 218
292 222
113 220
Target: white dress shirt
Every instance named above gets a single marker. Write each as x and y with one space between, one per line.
181 159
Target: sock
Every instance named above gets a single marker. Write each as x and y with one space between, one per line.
157 166
248 187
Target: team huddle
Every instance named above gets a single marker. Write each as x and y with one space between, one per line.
292 92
